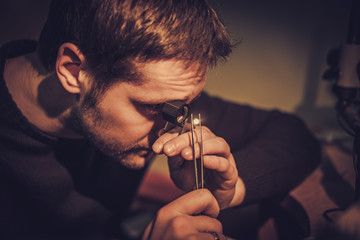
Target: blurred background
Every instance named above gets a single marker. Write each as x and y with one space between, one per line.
282 57
279 63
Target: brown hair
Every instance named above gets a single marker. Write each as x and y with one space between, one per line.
113 33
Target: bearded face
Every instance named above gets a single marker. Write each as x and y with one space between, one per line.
123 123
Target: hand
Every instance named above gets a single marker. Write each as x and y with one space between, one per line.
192 216
221 175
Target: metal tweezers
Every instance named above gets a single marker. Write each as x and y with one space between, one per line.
198 163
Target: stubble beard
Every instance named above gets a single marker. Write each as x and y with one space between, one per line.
88 122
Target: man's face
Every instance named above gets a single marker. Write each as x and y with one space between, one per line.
124 124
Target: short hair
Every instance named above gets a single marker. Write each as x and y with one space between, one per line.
113 33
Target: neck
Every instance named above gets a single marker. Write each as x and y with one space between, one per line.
40 96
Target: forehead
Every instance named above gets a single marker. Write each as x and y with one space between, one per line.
169 80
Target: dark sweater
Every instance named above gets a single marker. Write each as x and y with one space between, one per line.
54 188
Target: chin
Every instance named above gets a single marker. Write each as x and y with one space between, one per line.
135 161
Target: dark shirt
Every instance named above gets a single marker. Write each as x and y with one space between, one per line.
53 188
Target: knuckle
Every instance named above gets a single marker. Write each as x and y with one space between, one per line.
205 193
162 213
223 143
206 130
178 224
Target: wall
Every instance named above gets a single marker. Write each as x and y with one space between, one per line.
278 64
282 55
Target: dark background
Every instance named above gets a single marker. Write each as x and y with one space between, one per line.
279 63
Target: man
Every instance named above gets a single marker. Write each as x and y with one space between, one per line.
81 121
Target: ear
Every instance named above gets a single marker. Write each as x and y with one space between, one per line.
68 65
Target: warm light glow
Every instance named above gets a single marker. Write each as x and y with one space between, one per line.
196 121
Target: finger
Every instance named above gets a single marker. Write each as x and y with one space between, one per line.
175 145
208 224
193 203
220 165
217 157
214 146
159 143
185 225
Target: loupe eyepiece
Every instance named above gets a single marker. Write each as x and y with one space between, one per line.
175 112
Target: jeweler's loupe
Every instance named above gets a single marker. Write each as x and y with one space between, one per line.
175 113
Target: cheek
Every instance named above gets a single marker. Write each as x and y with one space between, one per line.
126 123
